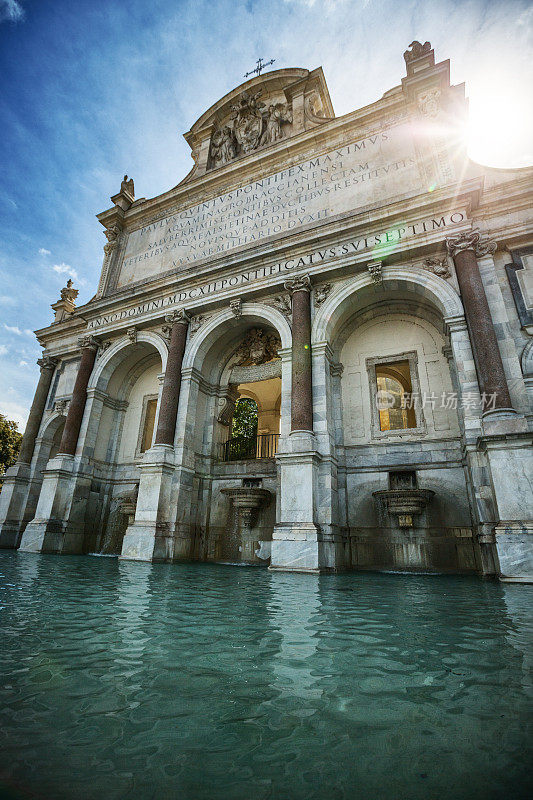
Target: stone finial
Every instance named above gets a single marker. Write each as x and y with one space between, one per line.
127 187
66 306
69 292
416 50
470 240
321 294
88 341
236 307
437 266
375 268
301 283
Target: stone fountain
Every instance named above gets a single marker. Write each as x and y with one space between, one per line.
404 503
247 500
403 498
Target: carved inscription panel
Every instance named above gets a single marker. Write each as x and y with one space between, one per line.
356 175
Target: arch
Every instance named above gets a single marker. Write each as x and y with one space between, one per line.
51 425
112 357
526 360
202 341
414 280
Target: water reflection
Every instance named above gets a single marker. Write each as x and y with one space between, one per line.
199 681
294 613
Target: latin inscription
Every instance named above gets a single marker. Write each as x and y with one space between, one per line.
352 176
378 245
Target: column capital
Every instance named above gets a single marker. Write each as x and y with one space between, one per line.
47 362
300 284
180 315
470 240
88 341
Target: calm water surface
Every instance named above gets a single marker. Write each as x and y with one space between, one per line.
124 680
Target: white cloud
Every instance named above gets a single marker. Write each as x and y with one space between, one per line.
3 350
7 300
17 331
15 411
65 269
23 363
44 252
11 10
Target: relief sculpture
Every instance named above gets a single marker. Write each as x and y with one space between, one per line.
251 125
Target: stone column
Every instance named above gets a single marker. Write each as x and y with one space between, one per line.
27 447
89 346
302 386
503 456
155 532
14 496
464 250
178 322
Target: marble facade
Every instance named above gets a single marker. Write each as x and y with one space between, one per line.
345 243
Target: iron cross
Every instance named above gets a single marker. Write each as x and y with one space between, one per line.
260 66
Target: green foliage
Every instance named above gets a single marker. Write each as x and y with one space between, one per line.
243 429
10 440
244 423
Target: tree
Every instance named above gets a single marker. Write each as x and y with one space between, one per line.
10 440
244 423
243 430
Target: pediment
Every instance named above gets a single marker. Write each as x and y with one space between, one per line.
257 114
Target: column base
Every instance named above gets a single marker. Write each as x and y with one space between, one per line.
9 534
299 547
503 421
145 541
52 536
12 503
514 546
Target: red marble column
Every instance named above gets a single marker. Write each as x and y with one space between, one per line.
302 386
487 356
69 440
27 447
168 409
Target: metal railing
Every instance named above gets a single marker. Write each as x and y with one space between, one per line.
245 447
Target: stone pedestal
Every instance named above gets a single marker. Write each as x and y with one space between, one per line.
17 480
151 537
298 543
12 503
510 460
59 522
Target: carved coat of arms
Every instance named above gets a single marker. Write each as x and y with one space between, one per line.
248 121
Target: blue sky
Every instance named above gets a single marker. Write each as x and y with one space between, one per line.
92 90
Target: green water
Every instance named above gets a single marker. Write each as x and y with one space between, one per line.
125 680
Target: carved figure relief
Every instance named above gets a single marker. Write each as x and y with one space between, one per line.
236 307
321 294
251 125
428 103
257 348
438 266
278 113
283 303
